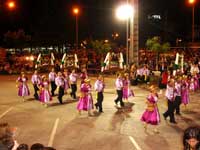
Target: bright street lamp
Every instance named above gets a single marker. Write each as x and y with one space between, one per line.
11 4
76 13
126 12
192 2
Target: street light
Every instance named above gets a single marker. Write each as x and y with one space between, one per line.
76 13
11 5
192 2
126 12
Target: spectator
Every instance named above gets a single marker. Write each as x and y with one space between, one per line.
6 137
22 147
37 146
191 138
49 148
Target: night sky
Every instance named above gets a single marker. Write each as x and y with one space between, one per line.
53 19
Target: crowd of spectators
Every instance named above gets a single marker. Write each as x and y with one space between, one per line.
8 140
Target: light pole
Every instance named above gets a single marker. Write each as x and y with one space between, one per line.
125 12
76 13
192 2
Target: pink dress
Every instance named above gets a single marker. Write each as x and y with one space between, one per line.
45 95
127 92
185 93
196 83
83 100
66 80
151 114
23 87
90 98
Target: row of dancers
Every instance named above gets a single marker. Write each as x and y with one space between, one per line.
177 93
63 81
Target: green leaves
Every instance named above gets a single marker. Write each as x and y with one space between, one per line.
100 46
155 44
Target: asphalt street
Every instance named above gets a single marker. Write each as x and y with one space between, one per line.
60 126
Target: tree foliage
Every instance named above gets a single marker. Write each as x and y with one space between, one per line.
100 47
155 44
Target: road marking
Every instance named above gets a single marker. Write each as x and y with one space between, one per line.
2 115
134 143
53 133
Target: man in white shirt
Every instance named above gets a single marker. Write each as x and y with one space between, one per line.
119 89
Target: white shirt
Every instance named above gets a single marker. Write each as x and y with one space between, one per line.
99 86
119 84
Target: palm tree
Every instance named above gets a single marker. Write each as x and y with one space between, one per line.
155 45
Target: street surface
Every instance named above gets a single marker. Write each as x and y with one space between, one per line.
60 126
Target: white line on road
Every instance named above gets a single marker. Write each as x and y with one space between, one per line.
2 115
134 143
53 133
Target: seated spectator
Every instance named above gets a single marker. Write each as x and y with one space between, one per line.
37 146
49 148
145 74
22 147
191 138
7 141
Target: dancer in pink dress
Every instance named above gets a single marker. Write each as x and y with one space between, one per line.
84 103
45 96
66 79
151 114
83 75
185 92
127 92
21 84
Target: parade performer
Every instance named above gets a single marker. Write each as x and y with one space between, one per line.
99 88
73 83
170 93
196 82
191 84
36 81
84 99
45 96
127 92
90 98
151 114
83 75
185 92
22 86
60 82
178 89
119 89
66 78
163 80
52 77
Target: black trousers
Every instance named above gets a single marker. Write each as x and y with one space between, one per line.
53 87
36 89
177 104
170 111
99 101
119 97
74 89
60 94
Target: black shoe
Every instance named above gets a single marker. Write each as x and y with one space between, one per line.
96 106
115 102
174 122
164 117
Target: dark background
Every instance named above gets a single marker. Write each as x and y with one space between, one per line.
53 19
